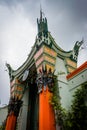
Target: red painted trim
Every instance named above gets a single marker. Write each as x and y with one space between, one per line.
78 70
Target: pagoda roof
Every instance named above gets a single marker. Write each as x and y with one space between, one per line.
30 60
45 38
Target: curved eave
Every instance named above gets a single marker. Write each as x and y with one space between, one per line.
58 49
26 65
30 60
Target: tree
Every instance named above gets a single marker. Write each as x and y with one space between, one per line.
76 118
79 109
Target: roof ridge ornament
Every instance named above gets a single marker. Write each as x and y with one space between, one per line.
76 48
10 70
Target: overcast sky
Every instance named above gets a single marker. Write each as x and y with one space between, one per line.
67 22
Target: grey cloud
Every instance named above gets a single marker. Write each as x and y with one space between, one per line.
76 8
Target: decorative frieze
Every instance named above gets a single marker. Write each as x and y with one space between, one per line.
50 51
16 89
38 53
45 56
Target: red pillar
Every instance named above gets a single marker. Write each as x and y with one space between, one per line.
46 113
11 122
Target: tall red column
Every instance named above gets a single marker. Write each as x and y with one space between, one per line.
46 113
11 122
45 82
13 111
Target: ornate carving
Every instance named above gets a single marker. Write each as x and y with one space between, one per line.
40 81
50 80
76 49
44 79
10 70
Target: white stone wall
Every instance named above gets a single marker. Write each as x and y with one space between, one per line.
76 81
62 83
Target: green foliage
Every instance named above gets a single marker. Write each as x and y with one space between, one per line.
76 119
79 109
55 102
2 127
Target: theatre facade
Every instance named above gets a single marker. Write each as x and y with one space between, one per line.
32 83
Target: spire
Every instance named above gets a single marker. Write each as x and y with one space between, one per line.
42 24
40 12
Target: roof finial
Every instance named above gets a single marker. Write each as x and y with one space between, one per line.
40 12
